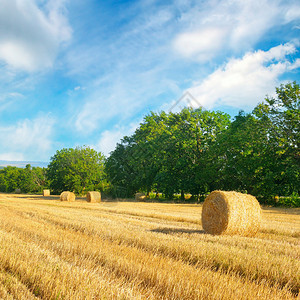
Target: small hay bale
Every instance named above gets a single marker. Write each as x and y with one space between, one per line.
140 197
67 196
46 193
17 191
93 197
231 213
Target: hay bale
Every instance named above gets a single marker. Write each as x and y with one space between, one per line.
93 197
67 196
231 213
17 191
140 197
46 193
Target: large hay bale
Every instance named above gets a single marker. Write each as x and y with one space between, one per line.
140 197
17 191
231 213
93 197
67 196
46 193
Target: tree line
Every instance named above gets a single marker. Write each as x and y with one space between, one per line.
192 152
197 151
79 170
28 179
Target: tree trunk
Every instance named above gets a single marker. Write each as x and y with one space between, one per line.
182 195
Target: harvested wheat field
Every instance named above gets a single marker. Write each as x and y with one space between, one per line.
50 249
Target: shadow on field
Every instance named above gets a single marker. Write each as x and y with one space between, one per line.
177 230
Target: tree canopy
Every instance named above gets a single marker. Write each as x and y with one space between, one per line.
166 152
28 179
78 170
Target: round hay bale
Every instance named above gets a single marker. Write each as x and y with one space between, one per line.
231 213
67 196
46 193
93 197
17 191
140 197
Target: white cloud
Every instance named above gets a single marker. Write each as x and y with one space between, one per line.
242 83
117 98
30 37
9 99
109 138
236 25
11 95
108 141
98 109
28 139
202 43
57 18
293 12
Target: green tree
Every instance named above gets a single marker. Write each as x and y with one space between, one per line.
78 170
165 151
283 111
3 181
10 179
32 179
259 153
239 154
120 169
28 179
187 137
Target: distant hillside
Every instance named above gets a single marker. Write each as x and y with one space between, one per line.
22 164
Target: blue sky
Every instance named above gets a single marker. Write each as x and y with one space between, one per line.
85 72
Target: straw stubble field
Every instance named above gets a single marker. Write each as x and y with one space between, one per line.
127 250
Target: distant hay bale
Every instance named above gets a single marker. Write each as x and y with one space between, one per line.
17 191
93 197
140 197
46 193
231 213
67 196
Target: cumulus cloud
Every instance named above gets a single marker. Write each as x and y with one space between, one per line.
236 25
242 83
30 36
28 139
